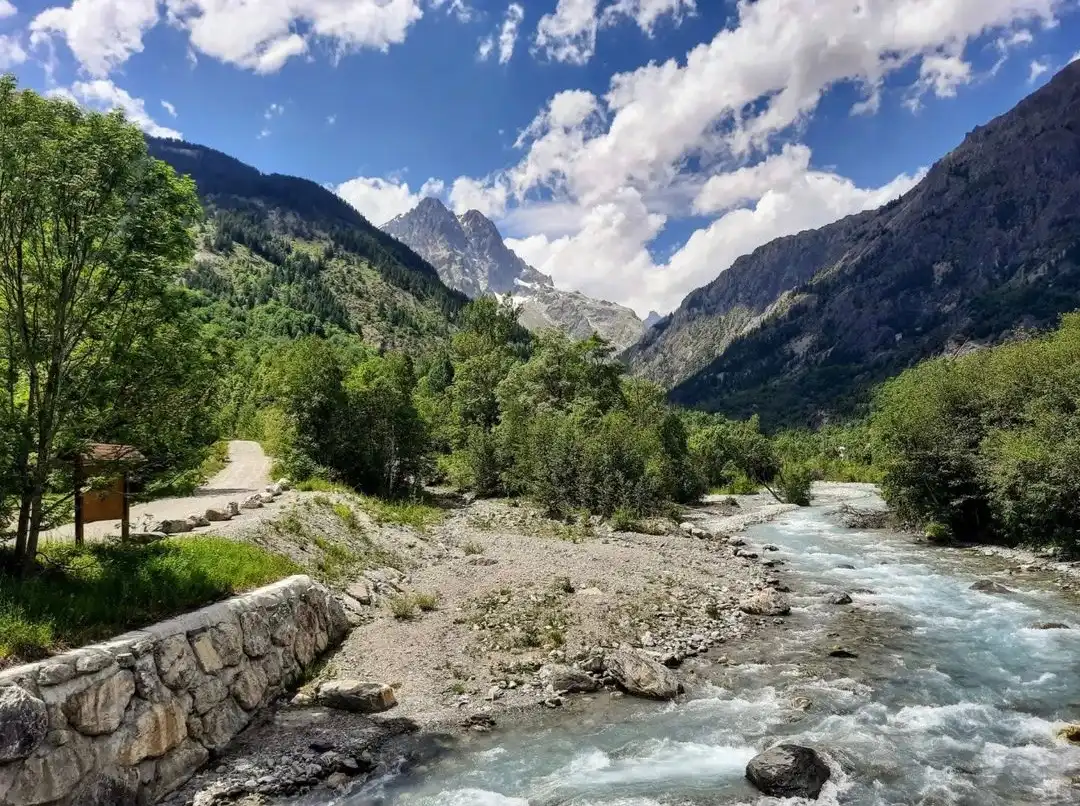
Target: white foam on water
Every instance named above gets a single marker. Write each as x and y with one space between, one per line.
470 797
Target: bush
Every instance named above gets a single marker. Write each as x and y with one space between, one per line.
427 602
794 484
624 520
403 607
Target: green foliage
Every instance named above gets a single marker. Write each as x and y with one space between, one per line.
986 445
403 607
794 483
833 453
426 601
99 342
94 592
409 512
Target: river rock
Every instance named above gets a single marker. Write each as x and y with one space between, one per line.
989 586
24 721
846 567
232 508
766 602
360 591
198 521
1070 733
253 502
838 598
217 515
267 498
788 771
1049 625
640 676
568 679
356 696
841 652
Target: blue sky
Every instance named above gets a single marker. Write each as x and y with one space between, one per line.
630 148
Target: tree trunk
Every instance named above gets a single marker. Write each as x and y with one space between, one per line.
34 531
24 524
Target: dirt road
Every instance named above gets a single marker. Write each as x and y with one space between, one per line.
247 473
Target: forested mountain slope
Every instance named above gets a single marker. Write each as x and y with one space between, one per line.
988 243
285 257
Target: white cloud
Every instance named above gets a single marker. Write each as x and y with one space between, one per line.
508 34
646 13
568 34
487 45
331 120
1075 56
104 95
274 110
380 200
260 36
1037 69
459 8
102 34
168 107
637 155
263 134
11 52
7 9
473 194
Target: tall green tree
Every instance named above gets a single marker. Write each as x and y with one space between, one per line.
92 232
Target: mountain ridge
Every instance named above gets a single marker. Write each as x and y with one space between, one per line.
988 243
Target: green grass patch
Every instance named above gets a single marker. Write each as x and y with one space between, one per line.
427 602
87 594
215 460
317 484
418 514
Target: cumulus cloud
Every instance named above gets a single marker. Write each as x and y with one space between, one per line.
260 36
7 9
102 34
168 107
474 194
380 200
11 52
102 94
638 155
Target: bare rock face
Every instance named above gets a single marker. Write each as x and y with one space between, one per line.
641 676
766 602
24 721
788 771
356 696
99 709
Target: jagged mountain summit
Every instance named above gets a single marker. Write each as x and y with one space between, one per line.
986 245
471 256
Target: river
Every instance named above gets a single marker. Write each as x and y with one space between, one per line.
954 697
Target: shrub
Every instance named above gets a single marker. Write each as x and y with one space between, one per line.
623 520
403 607
794 484
427 602
471 547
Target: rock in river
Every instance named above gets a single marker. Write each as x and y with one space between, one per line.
838 598
360 697
989 586
788 771
642 677
1049 625
766 602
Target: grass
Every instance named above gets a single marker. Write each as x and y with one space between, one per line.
88 594
403 607
317 484
427 602
418 514
215 461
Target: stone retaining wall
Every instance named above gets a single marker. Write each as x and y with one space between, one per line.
126 722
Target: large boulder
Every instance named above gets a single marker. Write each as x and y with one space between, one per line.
24 721
252 502
788 771
640 676
359 697
215 515
568 679
766 602
989 586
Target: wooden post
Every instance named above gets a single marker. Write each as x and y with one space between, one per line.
79 535
125 522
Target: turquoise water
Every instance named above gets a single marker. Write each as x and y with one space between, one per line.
953 699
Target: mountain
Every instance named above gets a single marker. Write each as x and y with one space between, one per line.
652 319
985 246
285 256
470 256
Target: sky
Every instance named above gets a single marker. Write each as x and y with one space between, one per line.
632 149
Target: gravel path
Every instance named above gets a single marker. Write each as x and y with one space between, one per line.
247 473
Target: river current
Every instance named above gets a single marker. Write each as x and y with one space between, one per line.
953 699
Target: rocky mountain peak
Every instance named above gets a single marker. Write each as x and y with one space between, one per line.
470 255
